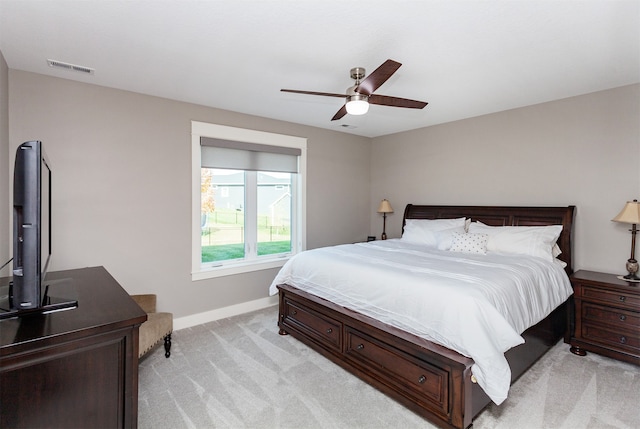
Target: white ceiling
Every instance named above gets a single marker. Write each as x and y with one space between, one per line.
466 58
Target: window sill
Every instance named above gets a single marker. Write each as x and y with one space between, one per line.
239 268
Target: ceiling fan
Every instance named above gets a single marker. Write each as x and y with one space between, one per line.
360 95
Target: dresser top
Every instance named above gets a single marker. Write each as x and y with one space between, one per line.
103 305
609 279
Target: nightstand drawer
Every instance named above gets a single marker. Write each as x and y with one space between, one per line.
609 315
619 299
620 339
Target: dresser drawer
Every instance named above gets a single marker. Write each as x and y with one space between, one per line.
619 299
622 340
415 377
609 315
313 324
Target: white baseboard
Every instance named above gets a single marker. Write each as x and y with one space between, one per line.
223 313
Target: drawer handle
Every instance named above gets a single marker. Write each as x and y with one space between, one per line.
622 298
329 331
422 379
294 312
623 340
360 347
623 317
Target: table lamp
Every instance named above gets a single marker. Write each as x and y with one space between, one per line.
631 214
384 208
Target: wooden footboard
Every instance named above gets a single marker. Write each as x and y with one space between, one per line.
433 381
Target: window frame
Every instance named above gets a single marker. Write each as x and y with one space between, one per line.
203 129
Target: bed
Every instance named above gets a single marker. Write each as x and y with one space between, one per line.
435 381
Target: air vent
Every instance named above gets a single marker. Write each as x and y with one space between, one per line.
72 67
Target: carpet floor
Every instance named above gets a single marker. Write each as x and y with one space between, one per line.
239 373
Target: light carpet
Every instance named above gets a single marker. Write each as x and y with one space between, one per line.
239 373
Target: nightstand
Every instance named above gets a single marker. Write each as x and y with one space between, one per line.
605 317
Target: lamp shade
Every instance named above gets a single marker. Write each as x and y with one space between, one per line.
630 213
385 207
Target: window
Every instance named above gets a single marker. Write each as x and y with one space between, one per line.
248 199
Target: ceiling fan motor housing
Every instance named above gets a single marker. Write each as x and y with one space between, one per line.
352 95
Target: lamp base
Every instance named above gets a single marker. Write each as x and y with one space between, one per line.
384 236
632 268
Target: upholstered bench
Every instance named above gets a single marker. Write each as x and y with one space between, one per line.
158 326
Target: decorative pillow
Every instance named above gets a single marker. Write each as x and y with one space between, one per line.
423 231
522 240
469 243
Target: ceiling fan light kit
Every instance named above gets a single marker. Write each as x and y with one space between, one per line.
357 104
359 96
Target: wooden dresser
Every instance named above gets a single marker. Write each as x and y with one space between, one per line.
76 368
606 316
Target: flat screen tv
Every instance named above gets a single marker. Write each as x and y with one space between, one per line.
30 291
31 225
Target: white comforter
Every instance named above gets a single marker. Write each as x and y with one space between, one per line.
477 305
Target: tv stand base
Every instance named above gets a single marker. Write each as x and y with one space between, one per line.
58 295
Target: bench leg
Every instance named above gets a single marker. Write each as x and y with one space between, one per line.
167 345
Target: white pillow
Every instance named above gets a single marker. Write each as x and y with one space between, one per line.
423 231
469 243
522 240
444 238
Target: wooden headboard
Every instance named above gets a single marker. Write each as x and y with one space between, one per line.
506 216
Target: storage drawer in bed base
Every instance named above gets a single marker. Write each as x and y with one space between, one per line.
413 377
313 324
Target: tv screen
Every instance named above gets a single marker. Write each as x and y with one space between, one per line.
31 225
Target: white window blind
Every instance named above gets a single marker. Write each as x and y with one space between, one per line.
236 155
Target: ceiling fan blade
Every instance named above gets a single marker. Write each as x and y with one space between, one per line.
386 100
326 94
378 77
340 113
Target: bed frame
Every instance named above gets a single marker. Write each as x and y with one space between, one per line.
432 380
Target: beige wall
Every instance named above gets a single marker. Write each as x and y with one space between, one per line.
122 198
5 210
582 151
122 177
